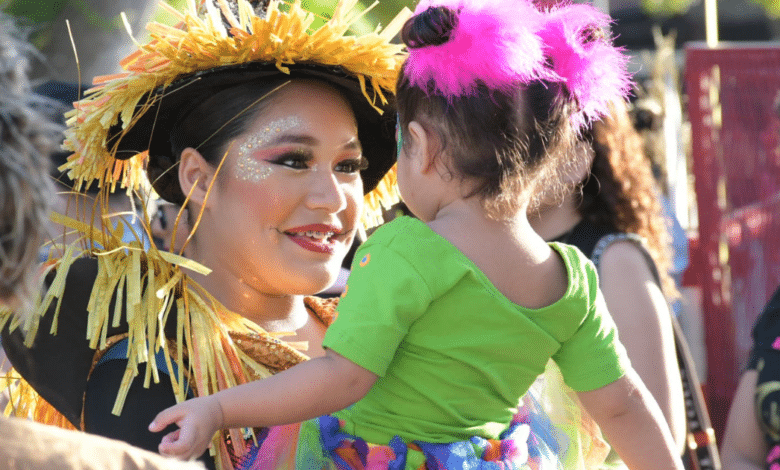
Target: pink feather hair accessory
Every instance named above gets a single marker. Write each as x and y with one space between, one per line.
494 41
592 69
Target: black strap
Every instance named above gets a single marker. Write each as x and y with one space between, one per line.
700 440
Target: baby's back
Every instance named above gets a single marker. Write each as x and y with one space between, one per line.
461 355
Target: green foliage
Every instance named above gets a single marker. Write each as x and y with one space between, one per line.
162 16
666 8
772 7
42 11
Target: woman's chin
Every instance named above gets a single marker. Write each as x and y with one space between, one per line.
313 282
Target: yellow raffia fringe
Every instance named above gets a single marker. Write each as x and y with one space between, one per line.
24 402
381 198
201 42
146 284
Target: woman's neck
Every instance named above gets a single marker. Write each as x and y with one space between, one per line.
554 221
272 311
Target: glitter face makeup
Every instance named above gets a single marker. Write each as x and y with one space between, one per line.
252 170
278 225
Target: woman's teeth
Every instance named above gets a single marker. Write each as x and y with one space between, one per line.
319 235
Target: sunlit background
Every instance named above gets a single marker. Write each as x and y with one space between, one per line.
100 36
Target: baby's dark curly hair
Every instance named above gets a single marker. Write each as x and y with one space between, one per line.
26 140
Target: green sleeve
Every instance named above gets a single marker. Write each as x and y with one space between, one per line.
384 295
593 357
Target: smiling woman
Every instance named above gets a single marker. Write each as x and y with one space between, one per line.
271 164
289 187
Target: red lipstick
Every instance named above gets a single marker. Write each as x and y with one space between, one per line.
319 238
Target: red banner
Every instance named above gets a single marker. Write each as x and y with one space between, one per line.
735 130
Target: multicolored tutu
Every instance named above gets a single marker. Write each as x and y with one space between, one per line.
321 444
533 441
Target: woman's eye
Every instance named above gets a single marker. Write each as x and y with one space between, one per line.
352 165
295 161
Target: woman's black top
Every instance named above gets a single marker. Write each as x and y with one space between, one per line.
58 368
765 358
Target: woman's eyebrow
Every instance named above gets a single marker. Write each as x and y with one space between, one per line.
294 139
353 144
304 139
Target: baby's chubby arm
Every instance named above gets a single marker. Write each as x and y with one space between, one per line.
633 424
314 388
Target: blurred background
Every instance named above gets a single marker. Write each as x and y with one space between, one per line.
708 75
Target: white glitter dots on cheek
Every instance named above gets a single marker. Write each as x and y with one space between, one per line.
251 170
254 170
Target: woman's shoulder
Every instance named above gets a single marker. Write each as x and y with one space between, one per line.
62 381
626 253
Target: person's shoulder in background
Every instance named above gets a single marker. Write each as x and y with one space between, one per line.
31 446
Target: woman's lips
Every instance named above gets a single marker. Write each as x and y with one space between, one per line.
309 244
319 238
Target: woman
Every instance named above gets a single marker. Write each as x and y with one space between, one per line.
751 440
270 145
613 192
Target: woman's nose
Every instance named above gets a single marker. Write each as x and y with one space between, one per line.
326 192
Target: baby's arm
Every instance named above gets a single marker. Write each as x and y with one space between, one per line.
633 424
314 388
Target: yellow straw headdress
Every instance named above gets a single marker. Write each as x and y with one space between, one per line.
118 130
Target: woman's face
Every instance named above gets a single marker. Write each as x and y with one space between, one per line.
286 203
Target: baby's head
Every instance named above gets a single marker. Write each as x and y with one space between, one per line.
505 90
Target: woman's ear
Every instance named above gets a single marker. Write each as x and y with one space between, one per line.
420 147
195 175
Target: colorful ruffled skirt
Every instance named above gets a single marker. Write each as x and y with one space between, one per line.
532 441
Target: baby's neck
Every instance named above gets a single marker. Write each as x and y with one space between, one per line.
519 263
465 222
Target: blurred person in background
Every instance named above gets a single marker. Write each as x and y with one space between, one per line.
26 140
751 440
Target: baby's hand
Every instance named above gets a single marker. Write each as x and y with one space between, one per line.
198 419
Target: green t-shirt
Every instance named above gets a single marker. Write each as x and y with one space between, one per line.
452 353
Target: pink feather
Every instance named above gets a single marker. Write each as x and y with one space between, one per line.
495 42
594 73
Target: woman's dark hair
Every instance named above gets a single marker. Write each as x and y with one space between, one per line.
505 141
621 191
208 127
